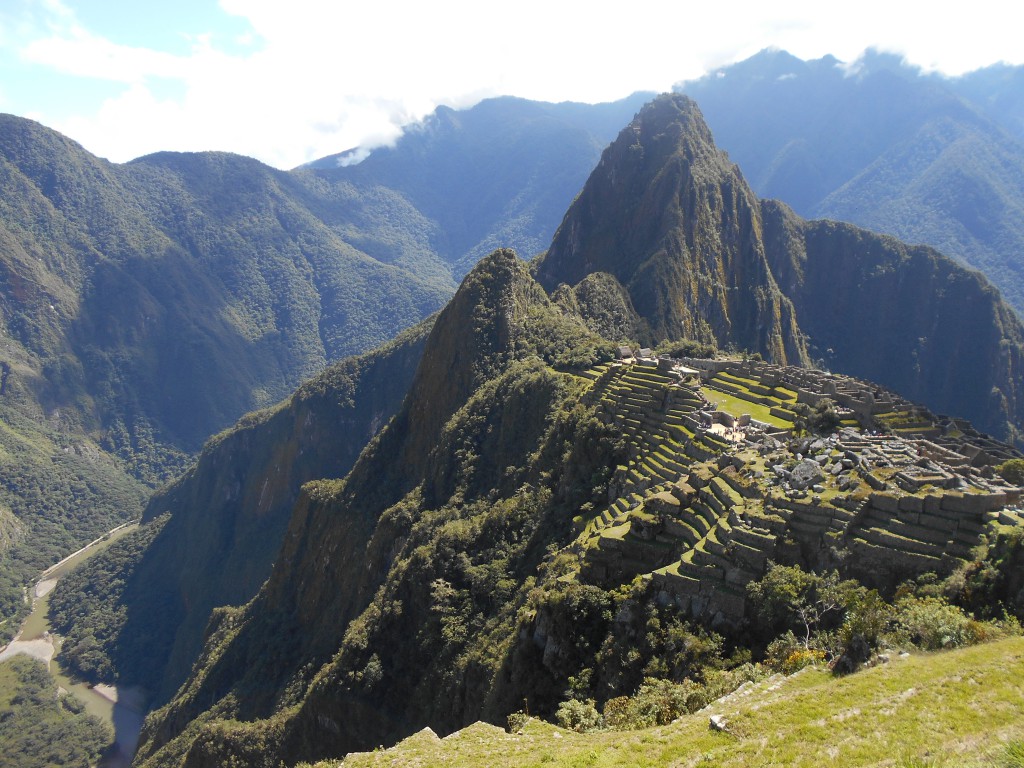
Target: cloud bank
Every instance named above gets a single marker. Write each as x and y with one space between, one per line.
309 79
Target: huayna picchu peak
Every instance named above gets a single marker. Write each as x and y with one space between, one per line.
672 220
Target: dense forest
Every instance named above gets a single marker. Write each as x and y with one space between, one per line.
40 725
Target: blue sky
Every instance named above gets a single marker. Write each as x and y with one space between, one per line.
287 81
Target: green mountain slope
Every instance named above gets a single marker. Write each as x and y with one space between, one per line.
953 708
484 542
878 143
483 550
146 306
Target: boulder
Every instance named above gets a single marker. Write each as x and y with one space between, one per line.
805 474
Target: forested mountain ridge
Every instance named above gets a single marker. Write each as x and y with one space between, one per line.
876 142
148 305
484 554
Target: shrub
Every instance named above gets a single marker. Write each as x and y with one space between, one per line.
1012 471
579 716
517 721
787 654
931 623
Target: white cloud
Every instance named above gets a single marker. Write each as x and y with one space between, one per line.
82 54
318 78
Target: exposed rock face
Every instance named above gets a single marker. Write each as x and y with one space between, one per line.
672 220
230 511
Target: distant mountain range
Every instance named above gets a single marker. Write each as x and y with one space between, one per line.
876 142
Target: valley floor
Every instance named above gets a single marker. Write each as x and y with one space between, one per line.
956 708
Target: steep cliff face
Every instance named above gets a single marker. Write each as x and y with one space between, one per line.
228 514
670 217
905 316
420 500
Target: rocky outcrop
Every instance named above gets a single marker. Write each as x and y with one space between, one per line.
673 221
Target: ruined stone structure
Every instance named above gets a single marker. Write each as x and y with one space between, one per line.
893 493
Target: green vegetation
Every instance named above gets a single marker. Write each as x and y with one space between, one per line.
39 726
958 708
87 608
737 406
532 531
1013 471
149 305
531 534
57 492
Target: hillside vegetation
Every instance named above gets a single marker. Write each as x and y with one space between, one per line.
538 528
40 725
957 708
533 525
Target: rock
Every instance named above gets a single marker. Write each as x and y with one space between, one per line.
718 723
806 473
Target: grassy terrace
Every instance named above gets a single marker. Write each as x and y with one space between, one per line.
957 708
736 406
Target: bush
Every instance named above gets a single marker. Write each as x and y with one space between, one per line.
579 716
1012 471
931 623
787 655
517 721
659 702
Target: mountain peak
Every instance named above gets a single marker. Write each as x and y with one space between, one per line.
668 216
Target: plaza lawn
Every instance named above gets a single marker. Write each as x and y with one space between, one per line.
736 407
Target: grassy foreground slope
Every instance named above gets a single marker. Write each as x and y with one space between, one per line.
958 708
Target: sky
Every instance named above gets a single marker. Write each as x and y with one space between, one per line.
288 81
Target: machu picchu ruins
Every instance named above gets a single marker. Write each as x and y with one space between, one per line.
724 475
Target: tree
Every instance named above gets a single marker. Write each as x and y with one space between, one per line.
788 597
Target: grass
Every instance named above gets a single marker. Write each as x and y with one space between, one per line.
737 407
960 708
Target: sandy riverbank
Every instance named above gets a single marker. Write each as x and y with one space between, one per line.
41 648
